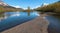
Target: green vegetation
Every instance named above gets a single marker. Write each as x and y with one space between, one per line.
55 8
9 9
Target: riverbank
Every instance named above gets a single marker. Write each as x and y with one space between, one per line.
38 25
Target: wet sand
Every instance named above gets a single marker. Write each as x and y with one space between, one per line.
37 25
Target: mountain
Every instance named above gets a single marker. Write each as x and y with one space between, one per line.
4 7
3 3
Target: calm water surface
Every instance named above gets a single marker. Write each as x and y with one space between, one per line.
11 19
54 26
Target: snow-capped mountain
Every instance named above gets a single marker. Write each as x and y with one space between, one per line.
3 3
8 7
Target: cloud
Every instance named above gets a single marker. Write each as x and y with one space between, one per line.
37 6
16 6
46 4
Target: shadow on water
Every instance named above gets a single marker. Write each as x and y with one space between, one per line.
15 19
54 26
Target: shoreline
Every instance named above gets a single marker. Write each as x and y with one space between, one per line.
37 25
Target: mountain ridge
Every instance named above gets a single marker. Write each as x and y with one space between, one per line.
3 3
4 7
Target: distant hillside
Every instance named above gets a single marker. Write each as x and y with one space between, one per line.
7 8
55 7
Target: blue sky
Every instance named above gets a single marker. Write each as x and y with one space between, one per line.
25 3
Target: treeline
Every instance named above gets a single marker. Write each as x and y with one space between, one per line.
55 7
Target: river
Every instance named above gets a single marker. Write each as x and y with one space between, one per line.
54 24
11 19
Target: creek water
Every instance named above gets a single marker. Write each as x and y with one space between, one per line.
11 19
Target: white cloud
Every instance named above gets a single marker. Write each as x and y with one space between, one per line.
38 6
46 4
16 6
24 8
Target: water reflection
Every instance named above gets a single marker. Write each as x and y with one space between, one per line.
36 13
28 13
15 15
11 19
54 26
2 17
